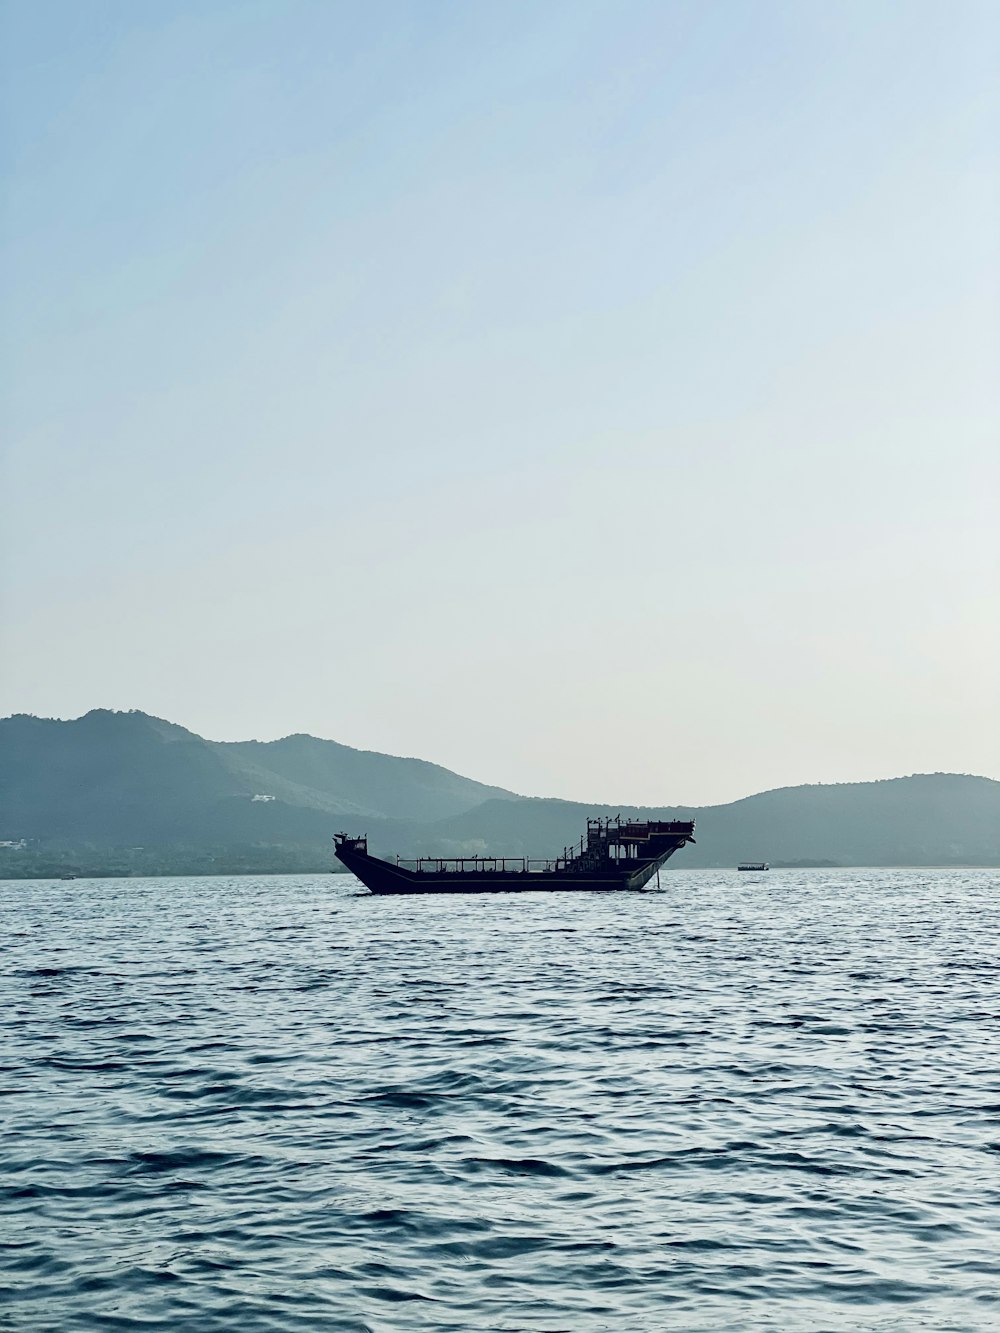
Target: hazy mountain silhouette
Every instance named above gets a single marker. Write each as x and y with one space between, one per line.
361 781
129 781
126 778
926 819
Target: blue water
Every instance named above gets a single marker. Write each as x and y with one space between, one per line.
742 1102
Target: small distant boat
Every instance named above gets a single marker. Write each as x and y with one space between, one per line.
753 865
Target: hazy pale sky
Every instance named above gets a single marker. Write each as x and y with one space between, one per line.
600 399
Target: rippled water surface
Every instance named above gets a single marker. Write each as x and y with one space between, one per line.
740 1102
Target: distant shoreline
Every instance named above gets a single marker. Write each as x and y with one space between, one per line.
70 878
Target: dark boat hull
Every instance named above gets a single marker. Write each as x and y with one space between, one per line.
383 877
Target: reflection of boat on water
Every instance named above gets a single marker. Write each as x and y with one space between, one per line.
753 865
615 854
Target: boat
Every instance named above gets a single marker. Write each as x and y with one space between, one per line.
615 854
753 865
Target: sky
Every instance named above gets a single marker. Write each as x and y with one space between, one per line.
599 399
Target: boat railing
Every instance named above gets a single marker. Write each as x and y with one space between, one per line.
613 840
615 824
484 865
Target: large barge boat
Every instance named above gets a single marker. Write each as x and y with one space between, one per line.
615 854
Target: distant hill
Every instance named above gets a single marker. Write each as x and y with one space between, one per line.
927 819
336 778
119 779
130 792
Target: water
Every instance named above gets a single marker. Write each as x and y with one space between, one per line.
743 1102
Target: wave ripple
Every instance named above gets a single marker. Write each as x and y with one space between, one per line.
281 1104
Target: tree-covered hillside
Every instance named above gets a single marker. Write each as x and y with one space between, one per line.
128 793
927 819
123 779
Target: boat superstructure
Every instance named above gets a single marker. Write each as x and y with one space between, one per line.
614 854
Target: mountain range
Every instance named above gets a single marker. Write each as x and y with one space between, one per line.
128 793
